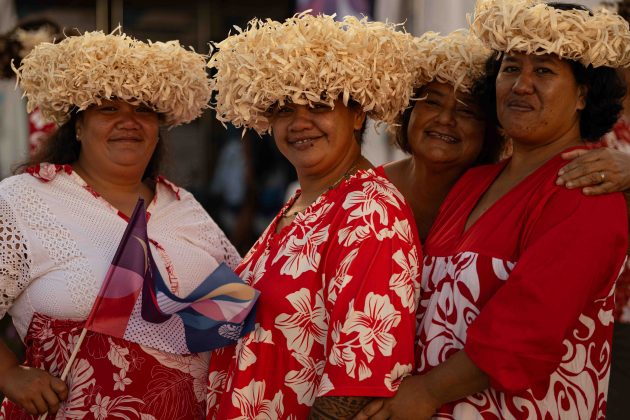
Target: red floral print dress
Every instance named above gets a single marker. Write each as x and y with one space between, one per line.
336 314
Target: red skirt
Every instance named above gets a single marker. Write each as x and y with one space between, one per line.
114 378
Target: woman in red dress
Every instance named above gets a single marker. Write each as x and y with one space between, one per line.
516 307
338 266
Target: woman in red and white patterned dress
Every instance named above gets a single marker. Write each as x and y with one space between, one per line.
517 289
61 222
338 267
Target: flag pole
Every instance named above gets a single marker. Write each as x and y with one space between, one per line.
73 356
66 369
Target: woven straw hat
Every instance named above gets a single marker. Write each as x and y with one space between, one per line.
312 59
458 58
533 27
84 70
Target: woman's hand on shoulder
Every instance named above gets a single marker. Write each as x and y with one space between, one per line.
597 171
33 389
412 401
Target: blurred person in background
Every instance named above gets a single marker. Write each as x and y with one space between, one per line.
338 266
62 218
20 133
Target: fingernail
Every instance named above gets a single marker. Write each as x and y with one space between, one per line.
561 172
569 184
559 181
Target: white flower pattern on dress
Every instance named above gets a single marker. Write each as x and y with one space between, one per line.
393 380
120 380
365 328
216 385
253 405
405 284
301 246
374 324
307 324
305 381
244 355
341 278
255 271
576 386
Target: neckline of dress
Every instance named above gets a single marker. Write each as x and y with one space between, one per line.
275 236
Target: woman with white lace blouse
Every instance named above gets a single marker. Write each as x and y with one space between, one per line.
62 218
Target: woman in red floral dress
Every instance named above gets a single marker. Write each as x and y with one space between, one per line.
338 266
61 221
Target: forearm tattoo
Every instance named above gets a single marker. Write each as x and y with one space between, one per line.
328 408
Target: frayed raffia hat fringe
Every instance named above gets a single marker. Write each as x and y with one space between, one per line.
83 70
532 27
458 59
309 59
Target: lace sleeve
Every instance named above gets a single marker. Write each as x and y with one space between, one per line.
15 261
222 250
219 245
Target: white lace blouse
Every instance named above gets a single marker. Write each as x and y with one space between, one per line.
58 238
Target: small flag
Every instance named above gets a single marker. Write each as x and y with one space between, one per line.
135 303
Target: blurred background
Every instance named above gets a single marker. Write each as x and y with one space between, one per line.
241 180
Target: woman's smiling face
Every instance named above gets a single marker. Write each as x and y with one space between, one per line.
538 98
117 134
316 138
446 127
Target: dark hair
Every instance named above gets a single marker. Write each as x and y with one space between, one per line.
358 134
62 147
492 140
604 98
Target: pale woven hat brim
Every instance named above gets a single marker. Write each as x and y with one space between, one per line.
533 27
83 70
309 59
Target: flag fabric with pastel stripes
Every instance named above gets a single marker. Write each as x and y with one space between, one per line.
136 304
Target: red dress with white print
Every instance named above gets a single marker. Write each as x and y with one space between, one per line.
336 314
526 292
619 138
112 377
67 235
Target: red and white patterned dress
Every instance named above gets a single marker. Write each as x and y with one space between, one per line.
526 291
336 314
57 241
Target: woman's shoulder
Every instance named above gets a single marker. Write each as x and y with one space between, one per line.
174 201
18 181
172 191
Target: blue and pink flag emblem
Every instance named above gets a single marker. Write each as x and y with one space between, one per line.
135 303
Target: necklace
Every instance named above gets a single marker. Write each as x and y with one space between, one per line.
346 175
